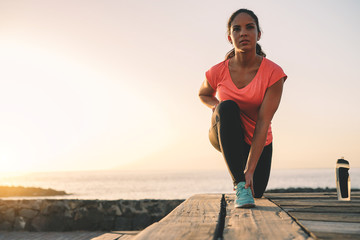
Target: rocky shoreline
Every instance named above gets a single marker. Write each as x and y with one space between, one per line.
91 215
41 215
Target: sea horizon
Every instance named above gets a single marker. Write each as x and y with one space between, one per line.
130 184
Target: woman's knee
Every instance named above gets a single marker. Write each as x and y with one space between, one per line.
227 107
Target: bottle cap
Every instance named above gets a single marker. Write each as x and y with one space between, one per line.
342 160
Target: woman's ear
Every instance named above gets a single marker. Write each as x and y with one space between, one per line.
259 36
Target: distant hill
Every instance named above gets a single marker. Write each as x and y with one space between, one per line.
18 191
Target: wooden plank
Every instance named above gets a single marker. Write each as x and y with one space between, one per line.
330 217
265 221
318 202
336 236
117 235
126 237
194 219
108 236
301 195
321 205
321 209
323 214
126 232
332 227
355 196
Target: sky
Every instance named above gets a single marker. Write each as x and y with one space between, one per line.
92 85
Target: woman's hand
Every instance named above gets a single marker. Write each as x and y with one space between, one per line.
213 109
249 180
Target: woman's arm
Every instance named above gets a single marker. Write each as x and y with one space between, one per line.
267 110
207 95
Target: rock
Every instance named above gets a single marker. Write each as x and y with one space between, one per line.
44 206
57 208
91 204
35 205
138 206
90 215
9 215
28 213
114 210
80 213
123 224
39 223
87 223
107 224
155 208
51 223
89 218
6 204
141 221
131 208
19 224
73 204
5 226
100 207
3 207
24 203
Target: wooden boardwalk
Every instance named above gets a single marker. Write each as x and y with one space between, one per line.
277 216
266 221
199 217
322 214
213 216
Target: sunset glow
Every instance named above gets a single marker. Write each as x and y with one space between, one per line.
114 84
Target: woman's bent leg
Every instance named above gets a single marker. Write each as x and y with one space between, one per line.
226 135
262 171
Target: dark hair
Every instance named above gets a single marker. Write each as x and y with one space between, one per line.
259 51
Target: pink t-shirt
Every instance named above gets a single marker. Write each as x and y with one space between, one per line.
248 98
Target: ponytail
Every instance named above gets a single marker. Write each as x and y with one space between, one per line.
259 50
231 53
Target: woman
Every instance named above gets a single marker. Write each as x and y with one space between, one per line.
249 88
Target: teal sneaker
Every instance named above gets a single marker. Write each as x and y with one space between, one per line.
244 198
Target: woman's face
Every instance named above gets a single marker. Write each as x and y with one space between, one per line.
244 33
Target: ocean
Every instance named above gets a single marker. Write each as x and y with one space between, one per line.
112 185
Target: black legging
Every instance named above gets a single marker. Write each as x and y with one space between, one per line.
227 136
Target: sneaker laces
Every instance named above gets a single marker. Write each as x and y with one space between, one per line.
238 191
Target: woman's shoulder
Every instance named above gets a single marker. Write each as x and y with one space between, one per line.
273 71
270 64
216 73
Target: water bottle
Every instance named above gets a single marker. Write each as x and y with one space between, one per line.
343 180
